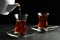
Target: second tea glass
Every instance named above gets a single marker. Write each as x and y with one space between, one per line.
42 20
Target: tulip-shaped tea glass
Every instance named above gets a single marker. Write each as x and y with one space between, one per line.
21 26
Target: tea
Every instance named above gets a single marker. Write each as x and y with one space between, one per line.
42 20
21 27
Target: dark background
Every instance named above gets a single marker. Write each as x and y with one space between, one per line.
32 7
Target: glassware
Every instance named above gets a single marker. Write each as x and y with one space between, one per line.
42 20
21 26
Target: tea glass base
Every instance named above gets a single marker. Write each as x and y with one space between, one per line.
12 34
35 27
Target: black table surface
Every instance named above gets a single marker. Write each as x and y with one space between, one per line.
52 35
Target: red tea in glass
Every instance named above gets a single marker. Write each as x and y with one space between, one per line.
42 20
21 27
